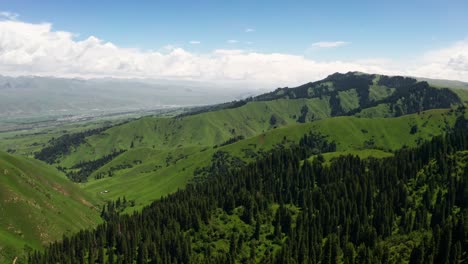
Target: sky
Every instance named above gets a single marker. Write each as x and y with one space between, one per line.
268 43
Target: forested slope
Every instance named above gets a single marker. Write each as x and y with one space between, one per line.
144 174
407 208
156 156
278 138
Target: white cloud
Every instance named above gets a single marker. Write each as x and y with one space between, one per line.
249 30
195 42
232 41
446 63
329 44
38 49
8 15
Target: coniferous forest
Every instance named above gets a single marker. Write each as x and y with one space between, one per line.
285 208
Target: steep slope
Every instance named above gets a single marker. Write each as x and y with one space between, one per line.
38 205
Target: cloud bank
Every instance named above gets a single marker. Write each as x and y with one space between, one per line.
447 63
37 49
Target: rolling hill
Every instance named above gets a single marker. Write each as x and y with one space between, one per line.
144 174
153 156
337 95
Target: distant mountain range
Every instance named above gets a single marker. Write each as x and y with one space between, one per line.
31 96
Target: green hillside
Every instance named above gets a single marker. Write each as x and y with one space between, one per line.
353 92
339 94
144 174
38 205
205 129
28 142
374 98
151 157
154 156
409 207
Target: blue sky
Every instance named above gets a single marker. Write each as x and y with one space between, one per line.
367 30
396 28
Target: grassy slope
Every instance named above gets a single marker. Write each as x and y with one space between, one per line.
386 133
40 204
463 94
27 142
201 130
215 127
152 176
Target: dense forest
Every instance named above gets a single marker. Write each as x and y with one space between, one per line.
286 208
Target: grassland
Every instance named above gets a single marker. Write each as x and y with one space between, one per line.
207 129
38 204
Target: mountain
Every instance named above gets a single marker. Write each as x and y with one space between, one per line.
406 208
38 205
151 162
153 156
362 94
144 173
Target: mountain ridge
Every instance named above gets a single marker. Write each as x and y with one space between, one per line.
147 159
349 94
402 88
